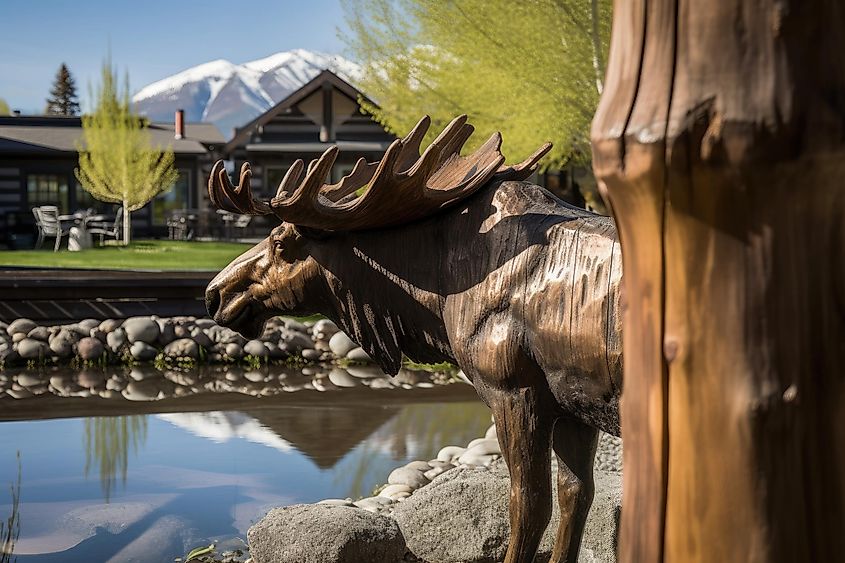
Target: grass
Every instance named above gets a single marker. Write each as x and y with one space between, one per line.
142 255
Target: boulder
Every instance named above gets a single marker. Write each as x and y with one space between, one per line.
89 348
116 340
141 329
321 533
109 325
234 351
166 332
142 351
358 354
463 516
31 349
20 326
205 323
86 325
183 348
293 324
341 378
409 476
311 354
325 327
256 348
341 344
41 333
61 344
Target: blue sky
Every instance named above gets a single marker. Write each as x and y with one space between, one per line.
151 39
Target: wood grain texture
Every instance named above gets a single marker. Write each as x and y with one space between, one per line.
724 171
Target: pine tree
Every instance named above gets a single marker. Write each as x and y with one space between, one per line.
63 100
533 70
117 161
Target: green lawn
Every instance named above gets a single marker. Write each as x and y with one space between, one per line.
141 255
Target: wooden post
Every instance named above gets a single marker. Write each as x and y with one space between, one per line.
719 143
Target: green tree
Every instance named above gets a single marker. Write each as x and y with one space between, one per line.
4 107
63 100
117 161
533 70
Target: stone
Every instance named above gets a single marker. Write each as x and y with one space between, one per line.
463 516
484 446
381 383
311 354
418 465
86 325
358 355
142 351
256 348
61 343
91 378
275 352
491 433
341 378
201 338
364 372
293 324
337 502
98 334
325 327
18 336
183 348
391 490
450 452
166 332
31 349
413 478
39 333
141 329
110 325
20 326
320 533
340 344
234 351
89 348
28 379
297 340
146 390
116 340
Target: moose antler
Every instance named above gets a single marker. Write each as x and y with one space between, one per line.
402 187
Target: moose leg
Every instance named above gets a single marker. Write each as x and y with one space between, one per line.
524 430
574 444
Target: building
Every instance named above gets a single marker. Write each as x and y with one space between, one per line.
38 156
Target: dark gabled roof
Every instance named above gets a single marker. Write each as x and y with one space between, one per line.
326 76
41 134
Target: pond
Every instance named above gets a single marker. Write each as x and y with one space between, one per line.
136 464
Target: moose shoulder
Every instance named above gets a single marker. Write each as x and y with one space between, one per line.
518 288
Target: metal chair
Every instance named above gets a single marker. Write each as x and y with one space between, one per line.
48 222
99 226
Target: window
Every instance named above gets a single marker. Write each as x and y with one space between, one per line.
47 189
173 199
84 200
274 178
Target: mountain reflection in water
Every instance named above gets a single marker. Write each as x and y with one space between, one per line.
186 457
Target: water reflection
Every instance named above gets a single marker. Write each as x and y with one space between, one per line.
10 530
107 443
189 457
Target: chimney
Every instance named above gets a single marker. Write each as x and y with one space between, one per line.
179 124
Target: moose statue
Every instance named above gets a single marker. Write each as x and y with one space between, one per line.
444 257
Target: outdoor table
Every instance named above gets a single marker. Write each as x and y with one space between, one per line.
78 236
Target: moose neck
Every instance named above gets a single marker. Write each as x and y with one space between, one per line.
385 291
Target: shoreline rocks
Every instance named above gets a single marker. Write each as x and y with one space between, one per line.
176 339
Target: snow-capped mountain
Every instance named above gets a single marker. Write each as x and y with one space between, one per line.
230 95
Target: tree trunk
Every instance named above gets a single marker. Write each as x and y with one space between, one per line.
127 224
719 143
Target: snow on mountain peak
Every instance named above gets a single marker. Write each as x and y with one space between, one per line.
230 95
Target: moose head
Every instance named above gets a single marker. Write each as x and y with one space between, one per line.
280 276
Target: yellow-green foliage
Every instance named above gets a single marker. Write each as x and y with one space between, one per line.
532 69
4 107
117 161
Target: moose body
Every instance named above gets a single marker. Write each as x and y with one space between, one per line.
516 287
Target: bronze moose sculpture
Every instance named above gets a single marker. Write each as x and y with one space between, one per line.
451 258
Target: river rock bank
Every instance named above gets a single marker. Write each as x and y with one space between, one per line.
449 509
174 339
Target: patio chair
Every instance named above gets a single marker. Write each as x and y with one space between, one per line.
99 225
48 222
241 223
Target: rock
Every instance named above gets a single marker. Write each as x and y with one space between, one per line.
391 490
86 325
146 390
337 502
435 471
142 351
20 326
358 355
31 349
166 332
341 378
41 333
28 379
91 378
463 516
380 383
364 372
297 340
418 465
491 433
325 327
373 504
183 348
276 352
256 348
311 355
141 329
89 348
116 340
341 344
61 344
325 534
205 323
293 324
450 452
413 478
18 336
234 351
201 338
110 325
484 446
